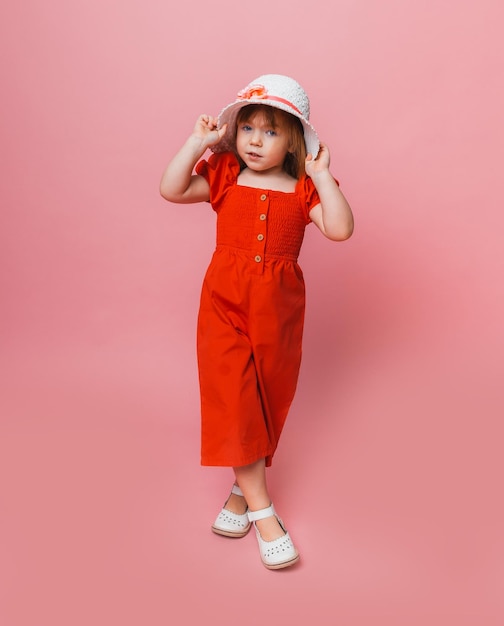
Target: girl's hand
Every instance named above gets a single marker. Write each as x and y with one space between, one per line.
320 164
206 130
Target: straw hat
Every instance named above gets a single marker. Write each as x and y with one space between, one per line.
274 90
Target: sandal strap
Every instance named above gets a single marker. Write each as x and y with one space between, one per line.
236 490
261 514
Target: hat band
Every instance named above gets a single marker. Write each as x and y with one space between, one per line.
258 92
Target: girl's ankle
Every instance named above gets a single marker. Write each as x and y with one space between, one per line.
236 504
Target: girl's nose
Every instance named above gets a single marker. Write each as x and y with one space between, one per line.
255 138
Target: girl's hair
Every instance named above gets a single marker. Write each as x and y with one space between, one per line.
294 163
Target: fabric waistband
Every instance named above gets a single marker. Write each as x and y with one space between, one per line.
250 254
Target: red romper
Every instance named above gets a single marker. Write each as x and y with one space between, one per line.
250 322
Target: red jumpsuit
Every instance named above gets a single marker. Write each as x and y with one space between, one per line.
250 322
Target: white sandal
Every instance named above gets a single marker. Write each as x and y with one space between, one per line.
232 524
278 553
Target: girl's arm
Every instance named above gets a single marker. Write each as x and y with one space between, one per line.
178 183
333 215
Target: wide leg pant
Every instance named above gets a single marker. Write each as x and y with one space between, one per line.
249 337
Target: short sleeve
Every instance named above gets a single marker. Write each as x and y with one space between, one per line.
309 195
220 171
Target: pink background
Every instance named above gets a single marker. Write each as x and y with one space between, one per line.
389 474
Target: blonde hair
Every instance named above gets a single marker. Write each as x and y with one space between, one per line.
294 163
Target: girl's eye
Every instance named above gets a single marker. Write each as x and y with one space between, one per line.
271 133
246 127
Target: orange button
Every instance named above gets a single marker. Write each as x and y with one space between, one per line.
257 259
260 236
263 197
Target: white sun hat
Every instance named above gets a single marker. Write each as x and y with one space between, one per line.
274 90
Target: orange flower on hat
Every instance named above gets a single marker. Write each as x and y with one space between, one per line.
253 91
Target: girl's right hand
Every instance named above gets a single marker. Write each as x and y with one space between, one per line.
206 130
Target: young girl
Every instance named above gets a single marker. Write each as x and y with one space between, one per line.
267 179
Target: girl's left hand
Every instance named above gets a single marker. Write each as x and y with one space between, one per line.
321 163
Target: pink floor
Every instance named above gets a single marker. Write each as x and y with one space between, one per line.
388 477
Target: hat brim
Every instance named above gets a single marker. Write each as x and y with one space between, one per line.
229 113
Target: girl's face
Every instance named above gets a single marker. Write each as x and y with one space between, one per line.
261 146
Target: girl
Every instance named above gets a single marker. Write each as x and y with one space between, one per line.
267 179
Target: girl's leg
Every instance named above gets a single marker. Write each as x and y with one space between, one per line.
252 481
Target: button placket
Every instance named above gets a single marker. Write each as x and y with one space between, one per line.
260 230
